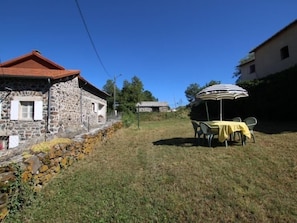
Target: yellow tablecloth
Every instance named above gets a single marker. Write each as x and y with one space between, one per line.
228 127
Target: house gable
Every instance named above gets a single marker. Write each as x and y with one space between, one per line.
33 60
279 33
275 54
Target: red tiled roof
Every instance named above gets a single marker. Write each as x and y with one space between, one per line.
36 73
34 65
34 55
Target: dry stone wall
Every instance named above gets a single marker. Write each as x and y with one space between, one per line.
38 167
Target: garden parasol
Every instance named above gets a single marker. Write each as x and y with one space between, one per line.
220 92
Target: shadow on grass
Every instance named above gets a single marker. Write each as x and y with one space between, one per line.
191 142
183 142
270 127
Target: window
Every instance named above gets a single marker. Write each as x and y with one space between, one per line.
26 110
252 68
101 106
284 52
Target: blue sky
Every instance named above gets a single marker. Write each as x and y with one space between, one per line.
168 44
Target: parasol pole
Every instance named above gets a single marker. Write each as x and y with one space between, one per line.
221 109
206 107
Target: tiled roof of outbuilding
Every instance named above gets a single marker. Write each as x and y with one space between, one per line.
152 104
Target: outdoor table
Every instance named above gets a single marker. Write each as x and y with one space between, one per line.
226 128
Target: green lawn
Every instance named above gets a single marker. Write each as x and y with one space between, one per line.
157 173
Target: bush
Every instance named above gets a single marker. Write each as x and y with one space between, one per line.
128 119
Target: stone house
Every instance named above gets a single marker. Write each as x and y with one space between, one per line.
40 99
152 106
277 53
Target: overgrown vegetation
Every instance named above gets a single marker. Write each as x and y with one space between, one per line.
129 118
157 173
125 99
273 97
20 193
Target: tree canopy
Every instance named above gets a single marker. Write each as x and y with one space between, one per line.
194 88
127 97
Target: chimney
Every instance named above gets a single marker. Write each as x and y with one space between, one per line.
36 51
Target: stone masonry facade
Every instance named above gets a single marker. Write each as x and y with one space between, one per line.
67 109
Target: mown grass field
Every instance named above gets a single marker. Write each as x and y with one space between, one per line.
157 173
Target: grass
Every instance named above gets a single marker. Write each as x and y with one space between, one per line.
157 173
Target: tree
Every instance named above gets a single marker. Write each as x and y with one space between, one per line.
132 93
148 96
191 91
248 58
212 82
109 88
237 73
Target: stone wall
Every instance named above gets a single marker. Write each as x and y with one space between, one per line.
91 118
32 88
64 106
66 109
39 166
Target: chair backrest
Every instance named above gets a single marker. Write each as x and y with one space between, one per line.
236 119
195 124
250 122
206 129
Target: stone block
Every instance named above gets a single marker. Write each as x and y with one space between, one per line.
26 176
43 168
33 164
8 176
64 162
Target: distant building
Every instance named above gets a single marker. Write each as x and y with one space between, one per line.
276 54
40 99
152 106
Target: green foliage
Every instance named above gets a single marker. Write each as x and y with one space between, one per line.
181 113
272 97
131 94
109 88
212 82
148 96
193 89
20 193
128 118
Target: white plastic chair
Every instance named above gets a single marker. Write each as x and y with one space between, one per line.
251 122
209 132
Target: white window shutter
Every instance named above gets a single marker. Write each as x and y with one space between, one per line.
14 110
0 108
38 110
13 141
96 107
